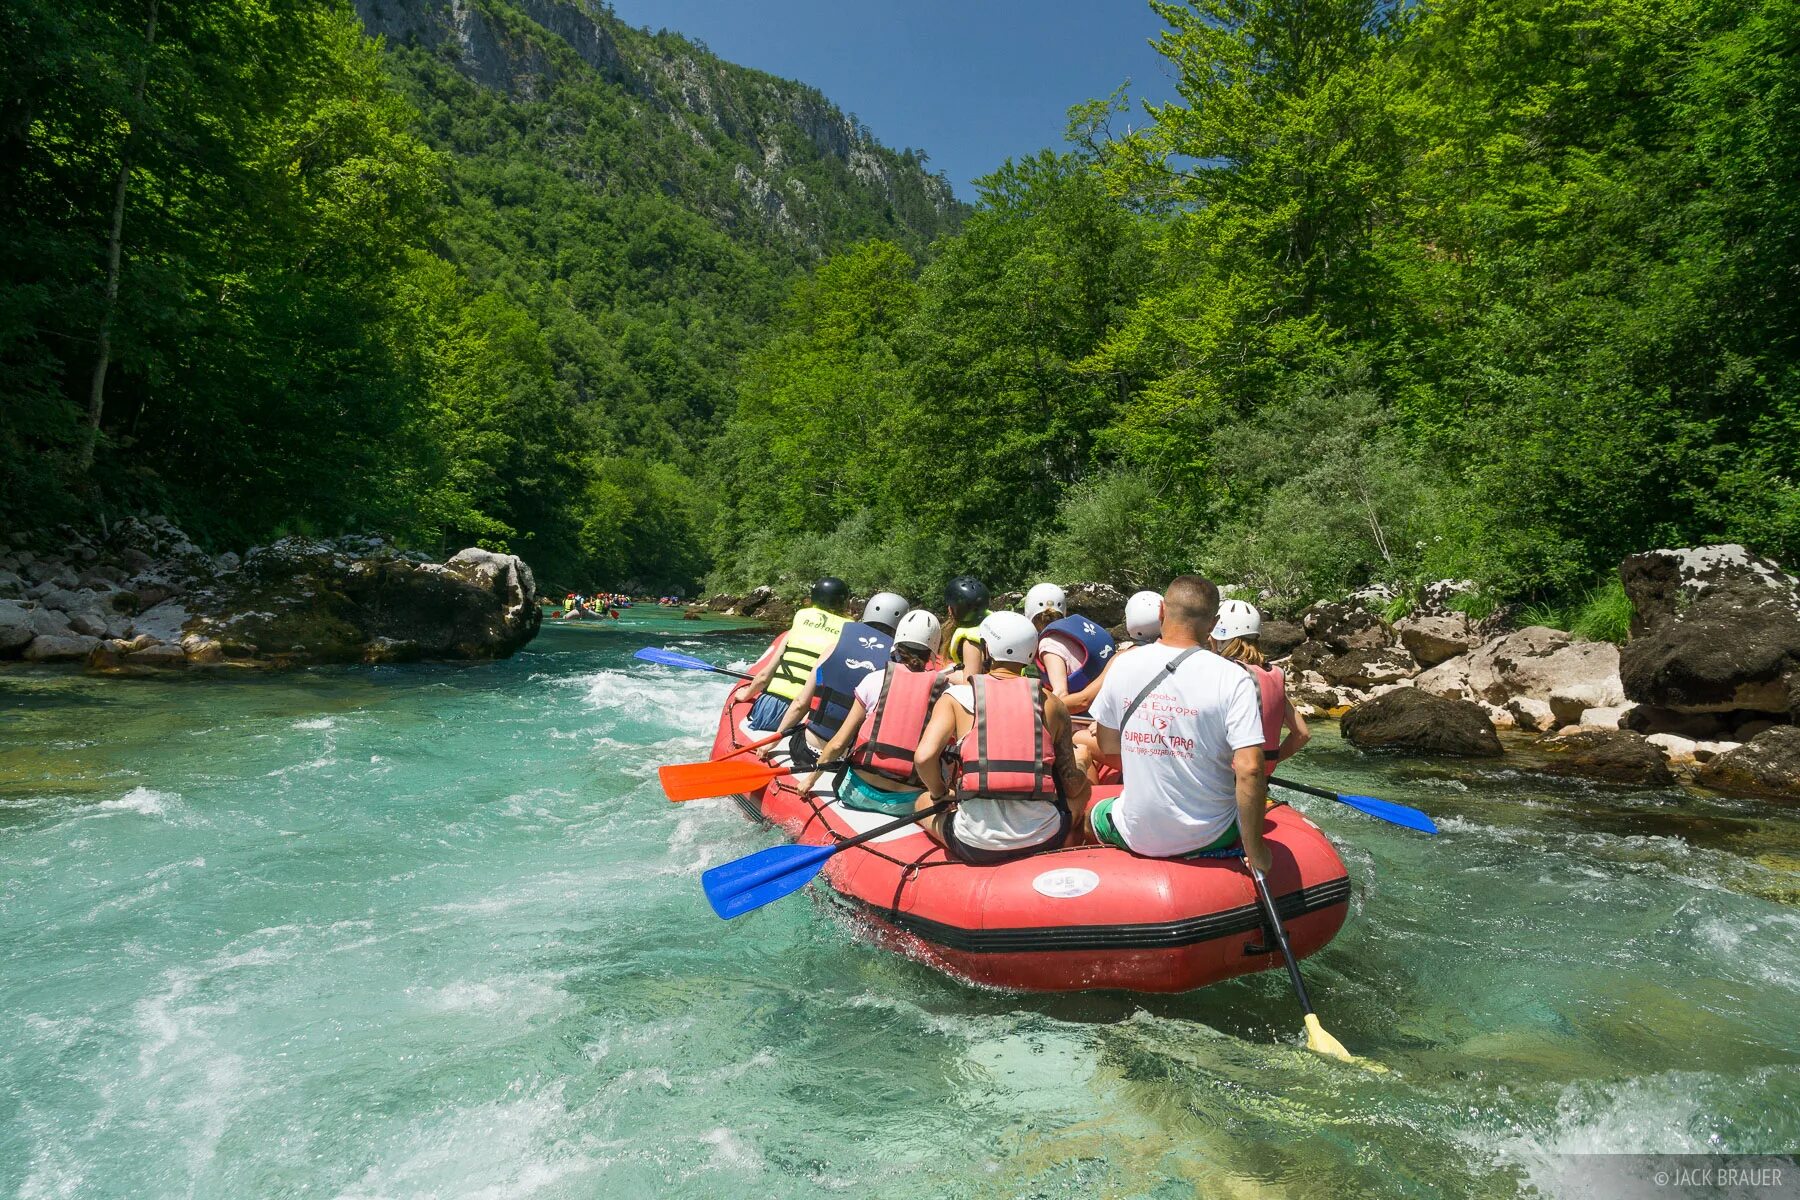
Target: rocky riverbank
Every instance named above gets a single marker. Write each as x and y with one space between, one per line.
142 596
1706 691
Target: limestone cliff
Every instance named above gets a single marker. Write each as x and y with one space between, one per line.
796 164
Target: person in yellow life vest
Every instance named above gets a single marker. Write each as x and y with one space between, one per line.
813 633
813 716
1018 789
965 608
1234 636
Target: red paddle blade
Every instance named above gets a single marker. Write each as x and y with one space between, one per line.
697 781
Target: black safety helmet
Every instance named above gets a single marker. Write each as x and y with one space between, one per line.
831 593
965 596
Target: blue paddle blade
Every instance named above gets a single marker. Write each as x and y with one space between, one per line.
736 887
673 658
1387 810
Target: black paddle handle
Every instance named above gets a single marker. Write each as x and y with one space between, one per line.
1302 787
902 823
1287 952
733 674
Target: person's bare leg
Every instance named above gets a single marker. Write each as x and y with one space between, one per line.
932 824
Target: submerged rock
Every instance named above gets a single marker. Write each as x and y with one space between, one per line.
1766 765
1614 755
1408 719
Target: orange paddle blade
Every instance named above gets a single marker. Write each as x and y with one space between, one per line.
697 781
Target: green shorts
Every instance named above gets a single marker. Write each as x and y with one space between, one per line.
854 792
1100 817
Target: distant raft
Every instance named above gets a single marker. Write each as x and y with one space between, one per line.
1091 917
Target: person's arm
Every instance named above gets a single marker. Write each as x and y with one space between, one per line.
759 682
928 758
1056 674
799 706
840 744
1076 788
969 659
1299 733
1082 701
1252 803
1111 749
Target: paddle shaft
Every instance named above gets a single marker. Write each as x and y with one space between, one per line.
902 823
778 870
756 745
1281 939
1302 787
725 671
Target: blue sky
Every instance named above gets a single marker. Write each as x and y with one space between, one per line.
970 83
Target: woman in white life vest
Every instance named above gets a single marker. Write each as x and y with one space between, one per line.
1015 784
1234 636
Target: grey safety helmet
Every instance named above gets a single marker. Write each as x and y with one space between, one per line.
884 611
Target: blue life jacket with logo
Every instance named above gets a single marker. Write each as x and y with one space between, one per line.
1096 644
860 649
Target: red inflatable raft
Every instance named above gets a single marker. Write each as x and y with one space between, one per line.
1065 920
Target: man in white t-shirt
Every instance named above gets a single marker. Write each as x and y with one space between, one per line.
1185 727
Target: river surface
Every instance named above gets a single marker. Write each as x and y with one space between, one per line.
433 931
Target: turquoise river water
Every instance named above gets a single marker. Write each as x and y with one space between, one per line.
433 931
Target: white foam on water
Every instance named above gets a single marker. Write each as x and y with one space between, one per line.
185 1068
315 723
1661 1114
145 802
515 998
497 1150
731 1151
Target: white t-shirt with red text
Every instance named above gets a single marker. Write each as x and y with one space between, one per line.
1180 790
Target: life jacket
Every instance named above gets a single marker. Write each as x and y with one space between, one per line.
1007 753
860 649
1097 648
811 636
890 733
965 633
1271 692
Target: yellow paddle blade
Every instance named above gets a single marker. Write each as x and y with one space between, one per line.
1321 1042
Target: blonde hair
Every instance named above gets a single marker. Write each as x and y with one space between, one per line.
1244 650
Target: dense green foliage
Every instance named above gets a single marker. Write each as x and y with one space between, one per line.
498 301
1490 290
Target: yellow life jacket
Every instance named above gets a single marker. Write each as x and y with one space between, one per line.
811 636
965 633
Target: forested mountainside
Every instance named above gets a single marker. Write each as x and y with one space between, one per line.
1489 290
487 278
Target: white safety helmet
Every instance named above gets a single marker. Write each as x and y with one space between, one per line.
884 608
918 628
1009 637
1143 617
1237 619
1045 597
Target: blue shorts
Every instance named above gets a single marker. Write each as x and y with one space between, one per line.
766 713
